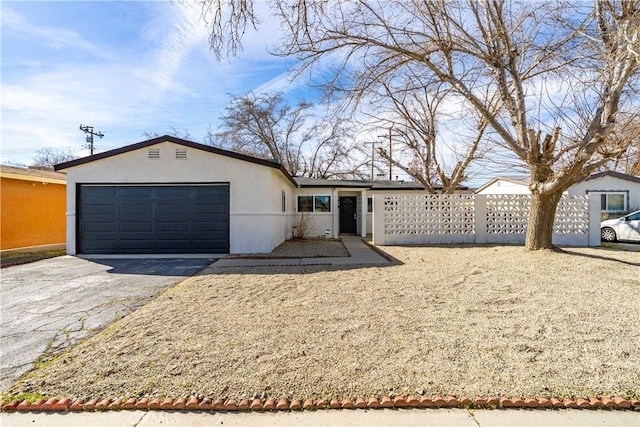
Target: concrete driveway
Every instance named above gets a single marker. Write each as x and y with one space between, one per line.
47 306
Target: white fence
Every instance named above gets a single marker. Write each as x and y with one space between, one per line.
400 219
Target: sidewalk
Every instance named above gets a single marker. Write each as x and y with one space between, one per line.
379 417
360 253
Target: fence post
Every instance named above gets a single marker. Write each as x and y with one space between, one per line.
594 219
480 217
378 219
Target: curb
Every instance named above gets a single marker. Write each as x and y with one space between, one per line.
257 405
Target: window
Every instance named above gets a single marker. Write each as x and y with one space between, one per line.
322 203
314 204
369 204
305 203
284 201
612 202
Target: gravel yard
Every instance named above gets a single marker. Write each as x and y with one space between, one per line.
446 320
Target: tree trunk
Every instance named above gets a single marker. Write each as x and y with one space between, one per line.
542 214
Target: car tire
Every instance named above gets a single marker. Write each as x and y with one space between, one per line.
608 234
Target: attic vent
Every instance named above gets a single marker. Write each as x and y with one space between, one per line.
181 153
154 153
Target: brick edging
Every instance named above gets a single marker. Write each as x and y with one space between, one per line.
206 404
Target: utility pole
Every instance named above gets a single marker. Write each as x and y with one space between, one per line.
390 135
373 154
90 133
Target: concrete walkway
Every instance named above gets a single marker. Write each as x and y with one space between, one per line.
380 417
360 253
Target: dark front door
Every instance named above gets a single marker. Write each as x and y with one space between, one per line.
129 219
348 215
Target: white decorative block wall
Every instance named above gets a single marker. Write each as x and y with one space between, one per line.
507 213
442 219
429 214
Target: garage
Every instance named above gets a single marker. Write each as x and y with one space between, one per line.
153 219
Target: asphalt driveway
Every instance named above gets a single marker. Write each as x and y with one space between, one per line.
47 306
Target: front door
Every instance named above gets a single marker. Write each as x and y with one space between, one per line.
348 215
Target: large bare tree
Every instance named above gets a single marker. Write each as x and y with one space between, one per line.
561 70
267 126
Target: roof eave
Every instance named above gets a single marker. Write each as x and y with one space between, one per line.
179 141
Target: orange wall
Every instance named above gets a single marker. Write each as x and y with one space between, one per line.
33 213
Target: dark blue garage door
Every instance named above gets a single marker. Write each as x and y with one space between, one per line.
153 219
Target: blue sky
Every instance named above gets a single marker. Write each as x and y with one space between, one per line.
125 68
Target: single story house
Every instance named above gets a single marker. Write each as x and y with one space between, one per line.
618 192
169 195
33 205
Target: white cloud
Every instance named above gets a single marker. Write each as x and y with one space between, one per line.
172 80
55 38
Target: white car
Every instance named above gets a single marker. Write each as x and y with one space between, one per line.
625 228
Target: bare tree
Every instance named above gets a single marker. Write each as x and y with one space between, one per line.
561 71
267 126
625 137
48 157
174 132
422 140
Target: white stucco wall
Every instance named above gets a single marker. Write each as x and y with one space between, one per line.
323 221
320 221
608 184
257 223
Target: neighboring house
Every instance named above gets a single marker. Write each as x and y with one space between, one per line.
618 192
169 195
33 204
505 185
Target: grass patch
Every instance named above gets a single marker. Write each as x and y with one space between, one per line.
16 258
29 397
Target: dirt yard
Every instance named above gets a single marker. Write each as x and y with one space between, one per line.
445 320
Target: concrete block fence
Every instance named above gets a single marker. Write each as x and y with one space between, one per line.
410 219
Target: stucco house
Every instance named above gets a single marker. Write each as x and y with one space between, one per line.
169 195
618 192
33 205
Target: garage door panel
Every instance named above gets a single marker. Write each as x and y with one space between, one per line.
172 226
134 191
210 209
173 210
173 243
97 236
128 227
211 226
99 246
203 244
135 243
99 209
106 218
99 227
154 219
133 209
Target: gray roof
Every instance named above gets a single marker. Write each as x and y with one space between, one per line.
306 182
613 174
